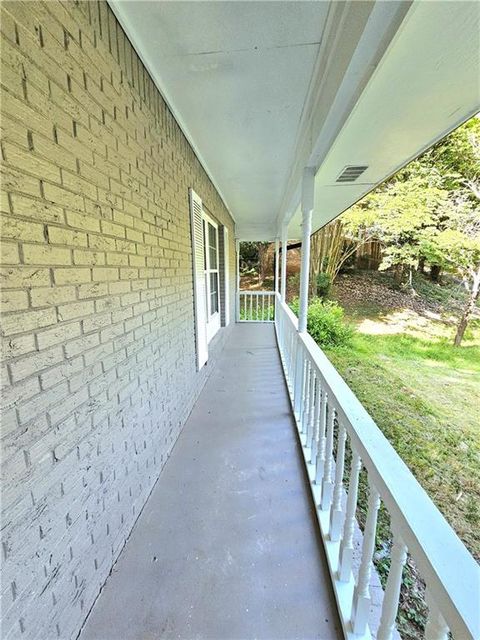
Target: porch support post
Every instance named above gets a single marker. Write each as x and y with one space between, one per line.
308 185
237 297
276 264
283 271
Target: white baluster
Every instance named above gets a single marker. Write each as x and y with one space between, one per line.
263 307
436 628
311 405
293 365
251 307
361 596
306 397
327 484
291 349
299 375
321 439
286 342
346 546
336 512
392 590
315 421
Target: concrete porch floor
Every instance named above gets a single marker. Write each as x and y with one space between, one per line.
226 546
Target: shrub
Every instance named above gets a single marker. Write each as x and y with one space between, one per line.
325 323
324 284
293 285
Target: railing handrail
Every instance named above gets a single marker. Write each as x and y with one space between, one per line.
263 292
450 571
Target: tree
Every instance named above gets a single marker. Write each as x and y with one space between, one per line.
254 255
457 249
331 246
420 201
262 261
248 255
401 216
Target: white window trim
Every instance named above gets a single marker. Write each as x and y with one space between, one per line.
198 265
226 275
213 319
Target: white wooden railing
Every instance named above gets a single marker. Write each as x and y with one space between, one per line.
255 306
328 417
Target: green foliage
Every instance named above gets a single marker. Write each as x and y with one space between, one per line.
325 323
324 284
413 388
455 249
418 388
456 159
258 315
429 209
294 280
248 256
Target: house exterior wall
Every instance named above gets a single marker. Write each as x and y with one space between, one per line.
99 367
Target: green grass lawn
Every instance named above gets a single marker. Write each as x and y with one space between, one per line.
424 395
423 392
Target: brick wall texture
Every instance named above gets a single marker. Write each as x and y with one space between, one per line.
98 348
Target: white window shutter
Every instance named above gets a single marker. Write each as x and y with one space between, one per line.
226 275
199 291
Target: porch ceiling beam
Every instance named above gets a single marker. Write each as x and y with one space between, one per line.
323 119
420 89
264 89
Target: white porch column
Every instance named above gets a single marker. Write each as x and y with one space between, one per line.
237 297
307 209
283 270
276 264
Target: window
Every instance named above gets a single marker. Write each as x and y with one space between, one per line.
209 284
210 236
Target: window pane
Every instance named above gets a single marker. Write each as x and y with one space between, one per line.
204 225
212 244
206 298
213 292
214 302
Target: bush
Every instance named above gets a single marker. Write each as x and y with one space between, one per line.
325 323
324 284
293 285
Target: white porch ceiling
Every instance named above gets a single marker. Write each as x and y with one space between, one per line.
262 89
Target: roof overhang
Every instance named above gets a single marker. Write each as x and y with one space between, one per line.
264 89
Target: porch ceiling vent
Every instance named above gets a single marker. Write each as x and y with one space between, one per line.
351 173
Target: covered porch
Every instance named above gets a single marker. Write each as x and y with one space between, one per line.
277 440
226 545
251 530
275 117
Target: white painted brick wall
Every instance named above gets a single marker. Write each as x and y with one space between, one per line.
98 347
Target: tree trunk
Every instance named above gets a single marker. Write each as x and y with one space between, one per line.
262 261
398 273
435 272
469 308
315 247
421 265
